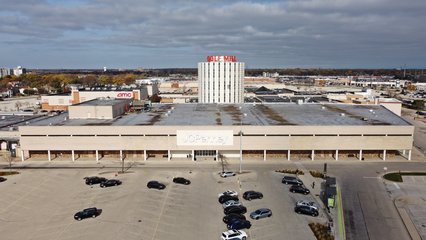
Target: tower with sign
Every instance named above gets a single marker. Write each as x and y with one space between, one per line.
220 80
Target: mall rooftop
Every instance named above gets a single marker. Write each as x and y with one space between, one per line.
306 114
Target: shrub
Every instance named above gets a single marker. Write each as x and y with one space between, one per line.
291 171
321 231
8 173
317 174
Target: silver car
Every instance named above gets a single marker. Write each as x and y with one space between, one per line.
261 213
231 203
227 174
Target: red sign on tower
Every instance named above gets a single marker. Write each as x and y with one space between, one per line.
221 58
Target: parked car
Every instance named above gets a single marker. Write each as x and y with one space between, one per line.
299 189
231 203
228 193
237 225
307 210
249 195
2 179
235 209
234 235
94 180
156 184
181 180
291 180
261 213
232 217
307 203
225 198
110 182
227 174
87 213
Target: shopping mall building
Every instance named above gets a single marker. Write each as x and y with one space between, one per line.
198 132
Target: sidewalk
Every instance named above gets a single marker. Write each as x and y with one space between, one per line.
335 215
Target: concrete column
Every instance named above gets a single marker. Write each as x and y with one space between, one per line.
403 152
217 155
72 155
337 155
288 155
360 154
97 156
264 155
384 155
168 155
22 155
48 156
121 155
192 155
313 155
409 155
144 155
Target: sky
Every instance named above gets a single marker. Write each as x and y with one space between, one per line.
180 33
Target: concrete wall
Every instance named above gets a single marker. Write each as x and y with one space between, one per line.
164 137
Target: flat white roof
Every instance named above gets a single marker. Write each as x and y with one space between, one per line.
246 114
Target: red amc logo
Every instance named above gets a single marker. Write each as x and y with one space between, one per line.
221 58
124 95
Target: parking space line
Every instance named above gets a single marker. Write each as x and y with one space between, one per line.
161 213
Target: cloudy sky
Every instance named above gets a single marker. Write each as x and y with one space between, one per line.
175 33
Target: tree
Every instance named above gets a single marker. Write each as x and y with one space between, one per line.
89 80
105 80
411 88
7 156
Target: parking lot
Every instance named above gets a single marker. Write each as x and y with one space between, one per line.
40 204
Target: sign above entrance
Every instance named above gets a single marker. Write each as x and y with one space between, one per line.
204 138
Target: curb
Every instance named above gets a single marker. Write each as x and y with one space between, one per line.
408 223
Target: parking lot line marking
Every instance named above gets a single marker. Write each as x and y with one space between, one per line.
396 185
372 177
161 213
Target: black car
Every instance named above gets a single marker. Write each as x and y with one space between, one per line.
307 210
181 180
110 182
233 217
235 209
299 189
249 195
237 225
225 198
291 180
2 179
94 180
87 213
156 184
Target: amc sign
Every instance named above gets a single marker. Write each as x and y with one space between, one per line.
124 95
221 58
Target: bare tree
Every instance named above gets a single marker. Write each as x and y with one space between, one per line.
223 162
7 156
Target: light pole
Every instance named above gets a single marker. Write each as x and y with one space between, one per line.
241 140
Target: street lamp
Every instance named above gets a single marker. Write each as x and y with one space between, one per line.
241 139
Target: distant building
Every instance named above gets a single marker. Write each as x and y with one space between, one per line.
5 72
18 71
220 80
63 101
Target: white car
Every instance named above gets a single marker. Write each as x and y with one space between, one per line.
307 203
228 193
230 203
227 174
234 235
